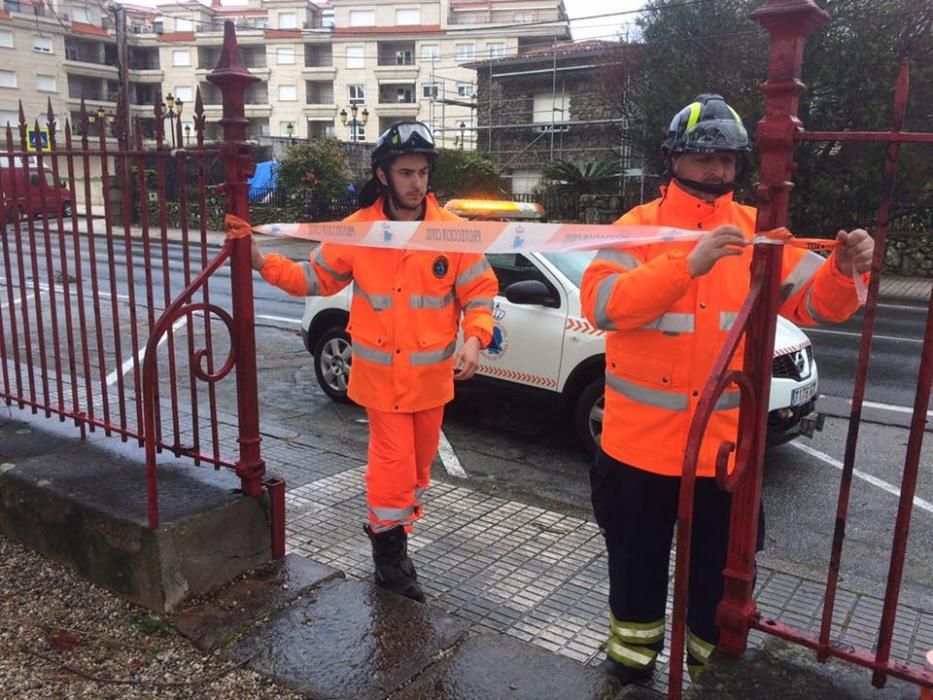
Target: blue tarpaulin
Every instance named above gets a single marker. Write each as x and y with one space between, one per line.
264 181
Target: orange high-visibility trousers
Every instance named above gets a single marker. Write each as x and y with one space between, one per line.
401 449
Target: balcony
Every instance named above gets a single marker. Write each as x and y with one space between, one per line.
397 93
404 110
503 17
320 111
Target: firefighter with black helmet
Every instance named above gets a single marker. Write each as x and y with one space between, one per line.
405 315
667 309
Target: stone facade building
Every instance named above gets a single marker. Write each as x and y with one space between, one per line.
550 104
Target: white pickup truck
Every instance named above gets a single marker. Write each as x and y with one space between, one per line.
542 342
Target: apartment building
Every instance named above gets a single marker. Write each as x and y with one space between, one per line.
344 68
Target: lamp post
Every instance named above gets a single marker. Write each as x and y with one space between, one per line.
462 129
173 109
290 131
187 134
353 123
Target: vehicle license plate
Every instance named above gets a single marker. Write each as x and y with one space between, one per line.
803 394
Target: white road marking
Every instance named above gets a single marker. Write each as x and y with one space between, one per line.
874 336
17 301
281 319
873 480
449 458
128 365
882 406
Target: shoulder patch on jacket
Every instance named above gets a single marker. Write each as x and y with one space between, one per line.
440 266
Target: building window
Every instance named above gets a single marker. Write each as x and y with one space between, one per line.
183 24
7 79
522 17
495 50
184 93
288 20
362 18
6 39
79 14
430 52
181 58
429 91
46 83
356 94
403 95
408 16
9 119
285 55
42 44
549 108
357 131
465 52
288 93
355 57
403 58
464 89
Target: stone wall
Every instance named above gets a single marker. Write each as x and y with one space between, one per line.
909 254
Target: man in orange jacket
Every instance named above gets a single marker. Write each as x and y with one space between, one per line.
404 320
667 309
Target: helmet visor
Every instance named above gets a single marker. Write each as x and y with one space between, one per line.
414 135
716 135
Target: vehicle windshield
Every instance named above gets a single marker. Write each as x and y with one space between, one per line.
572 263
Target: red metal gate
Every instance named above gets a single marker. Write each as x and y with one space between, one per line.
788 22
101 323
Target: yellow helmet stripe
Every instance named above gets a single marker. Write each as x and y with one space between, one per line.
694 117
734 114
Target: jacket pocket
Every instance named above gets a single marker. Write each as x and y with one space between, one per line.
654 371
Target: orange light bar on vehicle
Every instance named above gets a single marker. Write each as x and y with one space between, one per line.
492 207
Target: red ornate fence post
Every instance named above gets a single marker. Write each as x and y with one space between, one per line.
788 22
232 77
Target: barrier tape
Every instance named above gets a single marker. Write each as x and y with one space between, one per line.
503 237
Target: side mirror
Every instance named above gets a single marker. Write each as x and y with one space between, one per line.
532 292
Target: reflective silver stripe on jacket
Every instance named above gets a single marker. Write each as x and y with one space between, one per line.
480 303
378 357
727 320
427 301
814 314
603 294
379 302
670 400
431 357
626 260
477 269
312 286
340 277
673 323
801 274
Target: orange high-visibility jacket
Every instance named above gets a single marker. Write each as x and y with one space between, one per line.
666 329
405 311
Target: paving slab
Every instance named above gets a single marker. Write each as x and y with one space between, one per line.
494 666
349 639
778 670
213 621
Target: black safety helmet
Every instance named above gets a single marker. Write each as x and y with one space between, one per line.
708 125
400 139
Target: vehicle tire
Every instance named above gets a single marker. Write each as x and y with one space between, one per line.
588 415
66 210
332 363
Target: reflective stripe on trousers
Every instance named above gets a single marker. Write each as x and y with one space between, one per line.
659 398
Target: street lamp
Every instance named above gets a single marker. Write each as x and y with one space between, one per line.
187 134
290 130
353 123
462 128
173 109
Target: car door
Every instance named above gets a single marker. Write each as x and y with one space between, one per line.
527 338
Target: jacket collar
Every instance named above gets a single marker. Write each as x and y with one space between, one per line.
432 208
680 199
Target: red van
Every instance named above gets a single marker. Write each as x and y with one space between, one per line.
30 195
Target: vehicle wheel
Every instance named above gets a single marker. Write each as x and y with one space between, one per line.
588 415
66 210
332 363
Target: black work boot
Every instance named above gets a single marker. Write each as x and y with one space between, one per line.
394 570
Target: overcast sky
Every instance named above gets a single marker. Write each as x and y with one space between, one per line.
601 28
